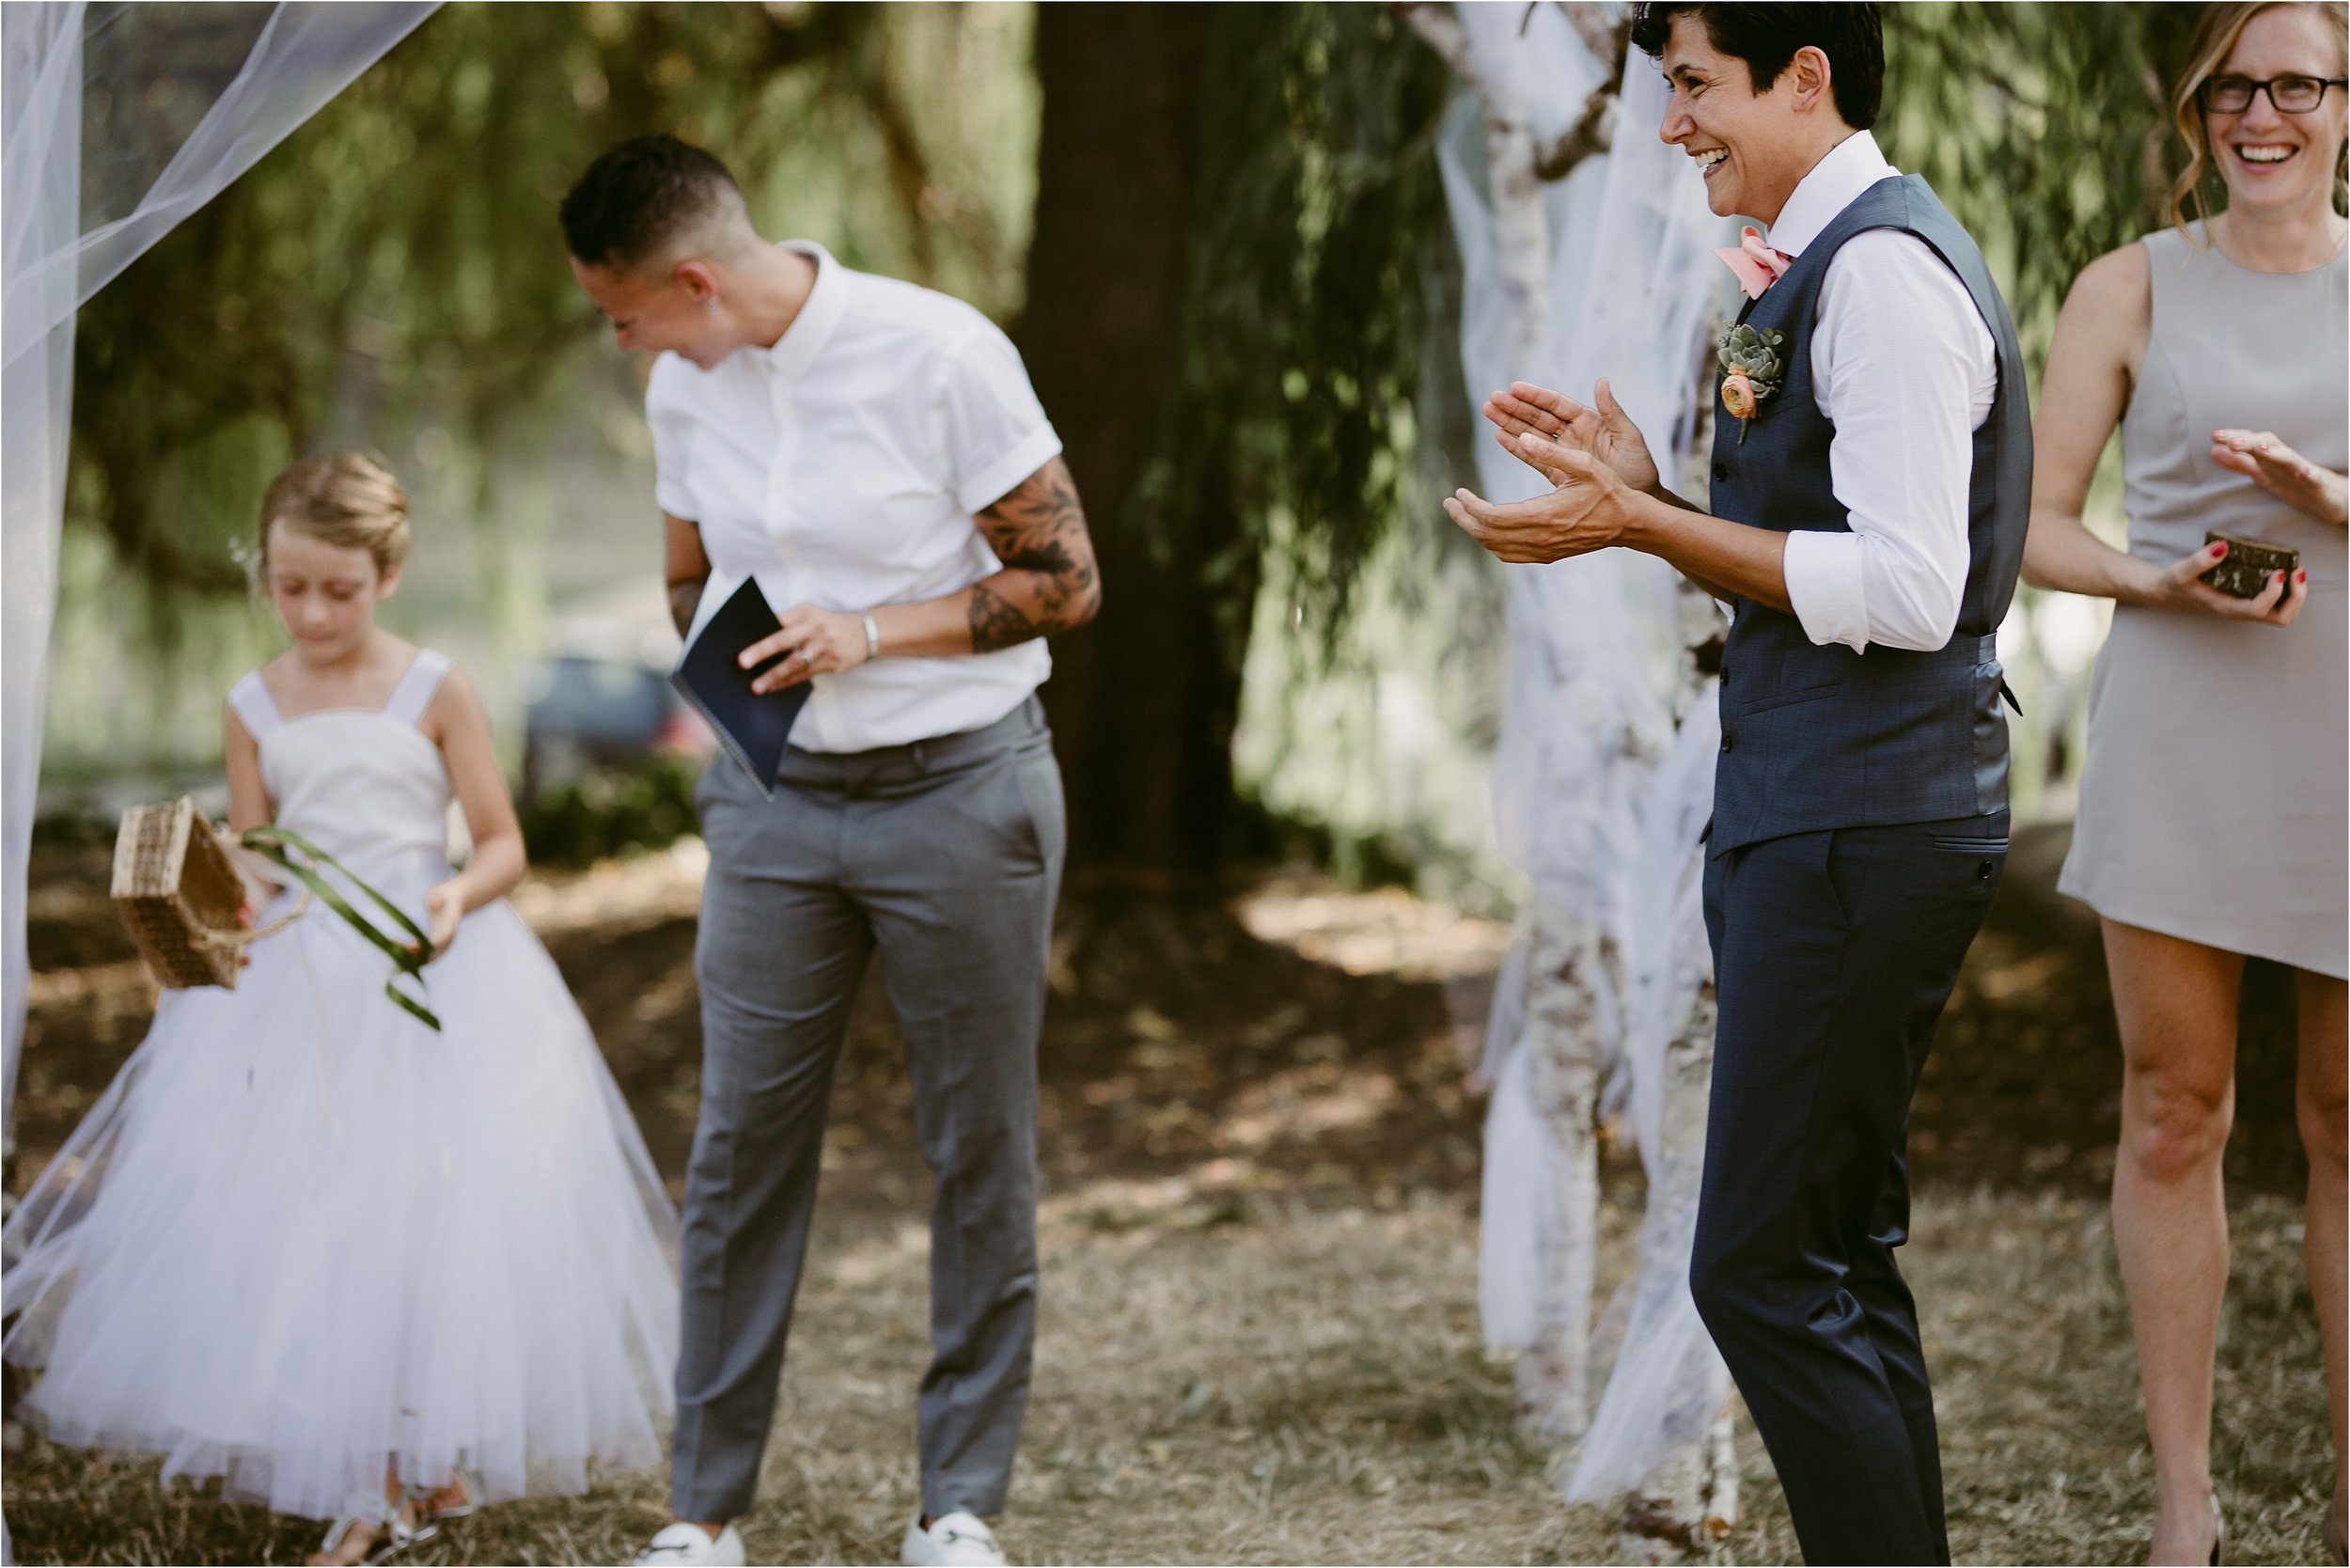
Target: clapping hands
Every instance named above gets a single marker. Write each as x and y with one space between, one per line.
1594 459
1603 432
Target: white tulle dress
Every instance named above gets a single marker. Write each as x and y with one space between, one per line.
302 1234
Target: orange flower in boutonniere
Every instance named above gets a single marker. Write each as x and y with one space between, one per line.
1738 395
1751 371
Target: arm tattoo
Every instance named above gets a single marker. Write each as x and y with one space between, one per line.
685 597
1049 583
996 621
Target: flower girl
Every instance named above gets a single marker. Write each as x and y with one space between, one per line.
355 1267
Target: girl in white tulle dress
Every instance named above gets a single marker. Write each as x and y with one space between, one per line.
355 1267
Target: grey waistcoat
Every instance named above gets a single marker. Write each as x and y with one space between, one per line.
1818 737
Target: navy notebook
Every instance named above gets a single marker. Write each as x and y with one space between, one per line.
753 725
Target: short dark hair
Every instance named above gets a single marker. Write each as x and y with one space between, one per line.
1767 37
641 194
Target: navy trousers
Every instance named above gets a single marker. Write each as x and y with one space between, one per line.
1833 955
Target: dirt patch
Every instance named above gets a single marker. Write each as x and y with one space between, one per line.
1300 1036
1259 1340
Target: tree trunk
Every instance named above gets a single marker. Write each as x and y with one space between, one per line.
1143 700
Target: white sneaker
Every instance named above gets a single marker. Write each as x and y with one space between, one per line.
681 1544
956 1540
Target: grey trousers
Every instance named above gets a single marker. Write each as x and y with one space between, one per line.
946 856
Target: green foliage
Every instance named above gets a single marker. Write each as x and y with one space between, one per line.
1322 218
396 263
606 812
2045 128
394 266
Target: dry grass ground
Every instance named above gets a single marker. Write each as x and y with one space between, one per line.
1253 1383
1260 1339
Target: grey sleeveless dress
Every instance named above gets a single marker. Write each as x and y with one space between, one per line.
2215 802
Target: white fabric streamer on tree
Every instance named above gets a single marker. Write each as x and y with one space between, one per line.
1668 1385
77 215
1601 783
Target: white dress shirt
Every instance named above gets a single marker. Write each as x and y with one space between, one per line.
1905 368
843 468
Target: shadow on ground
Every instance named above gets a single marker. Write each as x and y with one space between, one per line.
1261 1160
1299 1037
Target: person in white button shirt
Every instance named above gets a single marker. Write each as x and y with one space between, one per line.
1897 352
873 454
1869 505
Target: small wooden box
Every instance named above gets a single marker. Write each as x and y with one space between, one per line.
175 883
2243 573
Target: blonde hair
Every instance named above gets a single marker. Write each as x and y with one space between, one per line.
2215 38
341 499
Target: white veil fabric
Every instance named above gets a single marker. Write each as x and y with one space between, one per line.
119 121
1601 785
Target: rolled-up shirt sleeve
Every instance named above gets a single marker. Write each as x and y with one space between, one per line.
1905 368
996 432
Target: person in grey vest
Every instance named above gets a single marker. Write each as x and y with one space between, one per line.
871 452
1871 472
2213 822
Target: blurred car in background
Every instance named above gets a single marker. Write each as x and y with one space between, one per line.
588 710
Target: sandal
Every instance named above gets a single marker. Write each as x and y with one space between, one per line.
395 1522
467 1490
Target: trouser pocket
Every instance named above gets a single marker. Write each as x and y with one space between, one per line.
1965 845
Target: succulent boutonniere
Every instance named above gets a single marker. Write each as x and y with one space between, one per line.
1751 371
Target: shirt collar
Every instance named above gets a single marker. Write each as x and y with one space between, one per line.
820 314
1835 183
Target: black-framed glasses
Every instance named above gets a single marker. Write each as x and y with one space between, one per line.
2287 95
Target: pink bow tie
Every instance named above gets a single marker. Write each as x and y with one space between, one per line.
1756 264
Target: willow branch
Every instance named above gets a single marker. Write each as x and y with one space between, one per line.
1442 32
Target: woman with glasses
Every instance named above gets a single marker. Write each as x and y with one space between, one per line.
2212 820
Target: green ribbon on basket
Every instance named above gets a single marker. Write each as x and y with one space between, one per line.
281 844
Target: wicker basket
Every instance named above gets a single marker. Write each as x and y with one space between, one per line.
178 892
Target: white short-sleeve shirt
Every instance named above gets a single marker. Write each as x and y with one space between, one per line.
843 468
